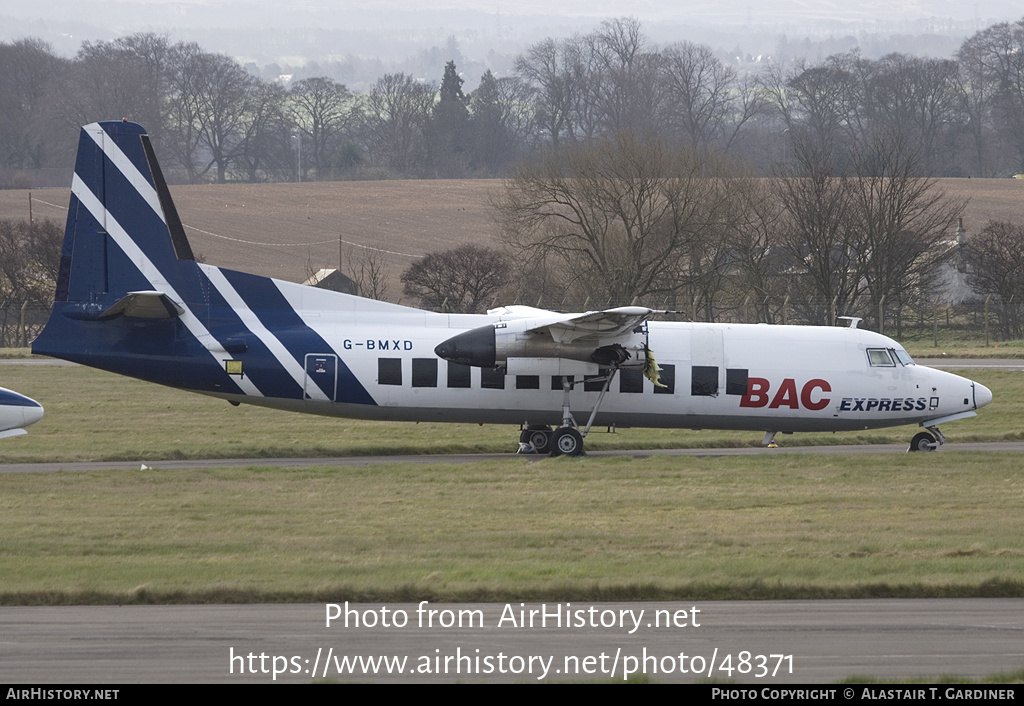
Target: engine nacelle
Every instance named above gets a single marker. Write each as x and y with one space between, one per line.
491 346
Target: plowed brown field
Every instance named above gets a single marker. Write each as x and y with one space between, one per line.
287 230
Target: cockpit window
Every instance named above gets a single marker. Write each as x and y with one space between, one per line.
879 357
902 356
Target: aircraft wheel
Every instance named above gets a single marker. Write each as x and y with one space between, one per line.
538 436
566 442
923 441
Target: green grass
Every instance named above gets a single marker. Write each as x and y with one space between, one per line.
767 526
1014 677
96 416
778 526
12 353
1002 350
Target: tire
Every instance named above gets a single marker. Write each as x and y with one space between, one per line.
923 441
566 442
538 436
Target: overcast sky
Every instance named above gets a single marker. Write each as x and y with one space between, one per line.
262 31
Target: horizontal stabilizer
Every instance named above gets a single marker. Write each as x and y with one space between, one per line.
145 305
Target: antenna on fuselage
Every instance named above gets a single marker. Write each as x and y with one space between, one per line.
854 320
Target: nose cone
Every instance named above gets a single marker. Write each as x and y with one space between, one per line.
33 414
17 411
473 347
982 395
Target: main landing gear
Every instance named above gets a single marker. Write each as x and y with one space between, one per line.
566 440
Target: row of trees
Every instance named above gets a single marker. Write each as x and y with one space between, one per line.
879 254
631 221
963 115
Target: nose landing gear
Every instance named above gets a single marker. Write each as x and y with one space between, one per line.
927 440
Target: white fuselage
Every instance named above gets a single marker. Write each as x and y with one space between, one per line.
723 376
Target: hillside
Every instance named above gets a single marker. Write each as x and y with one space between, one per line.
285 230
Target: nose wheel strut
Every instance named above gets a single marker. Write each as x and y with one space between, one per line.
927 440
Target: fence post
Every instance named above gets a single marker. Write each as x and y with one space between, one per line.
987 299
22 334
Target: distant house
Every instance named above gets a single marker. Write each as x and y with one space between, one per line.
951 281
334 281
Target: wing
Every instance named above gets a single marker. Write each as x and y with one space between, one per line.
597 325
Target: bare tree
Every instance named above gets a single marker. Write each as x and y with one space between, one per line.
124 78
976 93
621 220
29 261
324 111
993 259
705 102
209 110
461 280
858 242
760 282
547 67
622 86
28 87
907 223
369 269
816 107
397 115
263 143
917 98
822 248
995 59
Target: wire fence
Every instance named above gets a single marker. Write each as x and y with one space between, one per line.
20 324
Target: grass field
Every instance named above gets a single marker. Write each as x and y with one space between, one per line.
946 524
769 526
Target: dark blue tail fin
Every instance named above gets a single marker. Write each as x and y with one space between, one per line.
129 288
131 298
123 233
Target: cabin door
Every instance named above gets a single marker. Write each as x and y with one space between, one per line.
322 373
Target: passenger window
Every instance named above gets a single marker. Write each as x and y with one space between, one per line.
880 358
666 377
424 372
631 380
736 381
595 383
389 371
527 382
458 375
556 382
492 379
704 380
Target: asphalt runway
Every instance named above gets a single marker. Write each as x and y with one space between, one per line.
749 642
169 465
